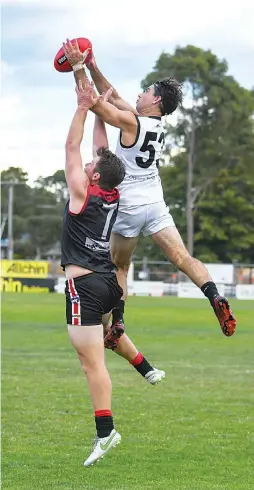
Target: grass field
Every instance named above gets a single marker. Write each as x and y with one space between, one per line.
192 432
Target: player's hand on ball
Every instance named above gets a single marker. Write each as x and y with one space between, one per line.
86 96
73 53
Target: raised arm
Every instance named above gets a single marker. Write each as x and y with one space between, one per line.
102 85
124 120
100 138
76 178
76 59
99 135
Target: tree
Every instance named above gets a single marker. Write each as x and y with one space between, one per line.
22 200
37 211
56 184
44 231
225 223
214 126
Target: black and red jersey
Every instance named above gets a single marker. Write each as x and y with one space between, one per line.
85 236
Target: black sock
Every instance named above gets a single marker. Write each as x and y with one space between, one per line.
210 290
118 312
104 425
141 364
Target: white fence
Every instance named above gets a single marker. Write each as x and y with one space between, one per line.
245 291
222 275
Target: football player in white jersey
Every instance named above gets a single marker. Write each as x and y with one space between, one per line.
142 207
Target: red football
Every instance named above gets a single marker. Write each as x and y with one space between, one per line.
62 64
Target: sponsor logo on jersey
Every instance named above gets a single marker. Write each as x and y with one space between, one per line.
97 245
141 178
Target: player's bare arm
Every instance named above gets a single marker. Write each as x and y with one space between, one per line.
124 120
76 178
100 138
99 135
102 85
76 58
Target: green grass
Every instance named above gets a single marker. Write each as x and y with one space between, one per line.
192 432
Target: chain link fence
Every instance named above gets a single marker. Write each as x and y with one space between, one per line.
166 272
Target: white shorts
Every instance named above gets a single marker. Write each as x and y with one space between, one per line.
147 218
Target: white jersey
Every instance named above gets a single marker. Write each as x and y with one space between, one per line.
142 183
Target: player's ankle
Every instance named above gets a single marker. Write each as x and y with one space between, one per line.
104 422
141 364
118 312
210 290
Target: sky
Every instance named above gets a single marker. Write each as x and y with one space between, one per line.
38 103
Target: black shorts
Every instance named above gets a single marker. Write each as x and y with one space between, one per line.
88 297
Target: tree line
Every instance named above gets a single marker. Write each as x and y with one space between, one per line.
207 169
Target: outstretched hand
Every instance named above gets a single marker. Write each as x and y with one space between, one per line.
90 62
86 95
105 96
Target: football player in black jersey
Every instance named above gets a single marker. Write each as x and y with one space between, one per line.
91 286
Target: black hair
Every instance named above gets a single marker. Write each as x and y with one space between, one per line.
170 91
110 168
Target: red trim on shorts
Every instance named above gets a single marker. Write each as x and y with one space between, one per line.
137 360
103 413
75 303
71 287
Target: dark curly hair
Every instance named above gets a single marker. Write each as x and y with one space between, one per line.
110 168
170 91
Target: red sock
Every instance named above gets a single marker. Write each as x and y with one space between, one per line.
103 413
137 360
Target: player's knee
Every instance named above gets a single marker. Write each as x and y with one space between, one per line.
85 368
123 263
88 362
124 269
90 367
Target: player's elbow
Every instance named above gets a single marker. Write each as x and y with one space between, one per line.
71 145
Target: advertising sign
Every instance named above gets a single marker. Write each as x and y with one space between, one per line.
25 285
24 268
